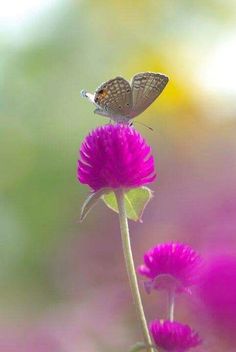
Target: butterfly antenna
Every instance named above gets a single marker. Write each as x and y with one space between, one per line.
83 93
143 124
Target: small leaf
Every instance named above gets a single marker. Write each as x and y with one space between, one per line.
91 200
136 200
140 346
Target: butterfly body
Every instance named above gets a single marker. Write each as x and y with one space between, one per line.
121 101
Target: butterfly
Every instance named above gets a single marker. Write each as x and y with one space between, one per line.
121 101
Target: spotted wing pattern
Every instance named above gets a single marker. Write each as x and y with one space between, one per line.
114 97
146 87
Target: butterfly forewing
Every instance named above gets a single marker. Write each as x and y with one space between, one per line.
146 87
115 97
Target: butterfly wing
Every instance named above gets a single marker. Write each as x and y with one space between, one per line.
114 97
146 87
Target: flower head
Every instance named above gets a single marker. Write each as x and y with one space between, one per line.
115 156
170 265
217 291
173 336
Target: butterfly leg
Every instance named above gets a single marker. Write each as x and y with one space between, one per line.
101 112
109 122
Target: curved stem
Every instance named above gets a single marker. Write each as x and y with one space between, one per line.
124 228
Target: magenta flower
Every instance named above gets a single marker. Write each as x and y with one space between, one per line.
173 336
170 266
217 291
115 156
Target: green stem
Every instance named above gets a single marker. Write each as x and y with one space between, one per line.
171 304
124 228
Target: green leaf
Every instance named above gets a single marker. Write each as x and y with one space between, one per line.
136 200
91 200
140 346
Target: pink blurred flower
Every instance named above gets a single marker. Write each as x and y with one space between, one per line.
173 336
114 156
170 266
218 294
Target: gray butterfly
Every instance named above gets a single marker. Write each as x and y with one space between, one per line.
121 101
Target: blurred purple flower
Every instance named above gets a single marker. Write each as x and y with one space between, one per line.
170 266
114 156
218 294
173 336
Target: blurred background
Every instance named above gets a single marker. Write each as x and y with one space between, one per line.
63 284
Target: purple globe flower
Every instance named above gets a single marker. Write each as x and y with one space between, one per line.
217 291
115 156
170 266
173 336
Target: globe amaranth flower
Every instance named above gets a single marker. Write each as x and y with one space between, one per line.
217 292
115 156
173 336
170 266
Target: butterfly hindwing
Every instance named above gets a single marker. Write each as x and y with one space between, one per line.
114 96
146 87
